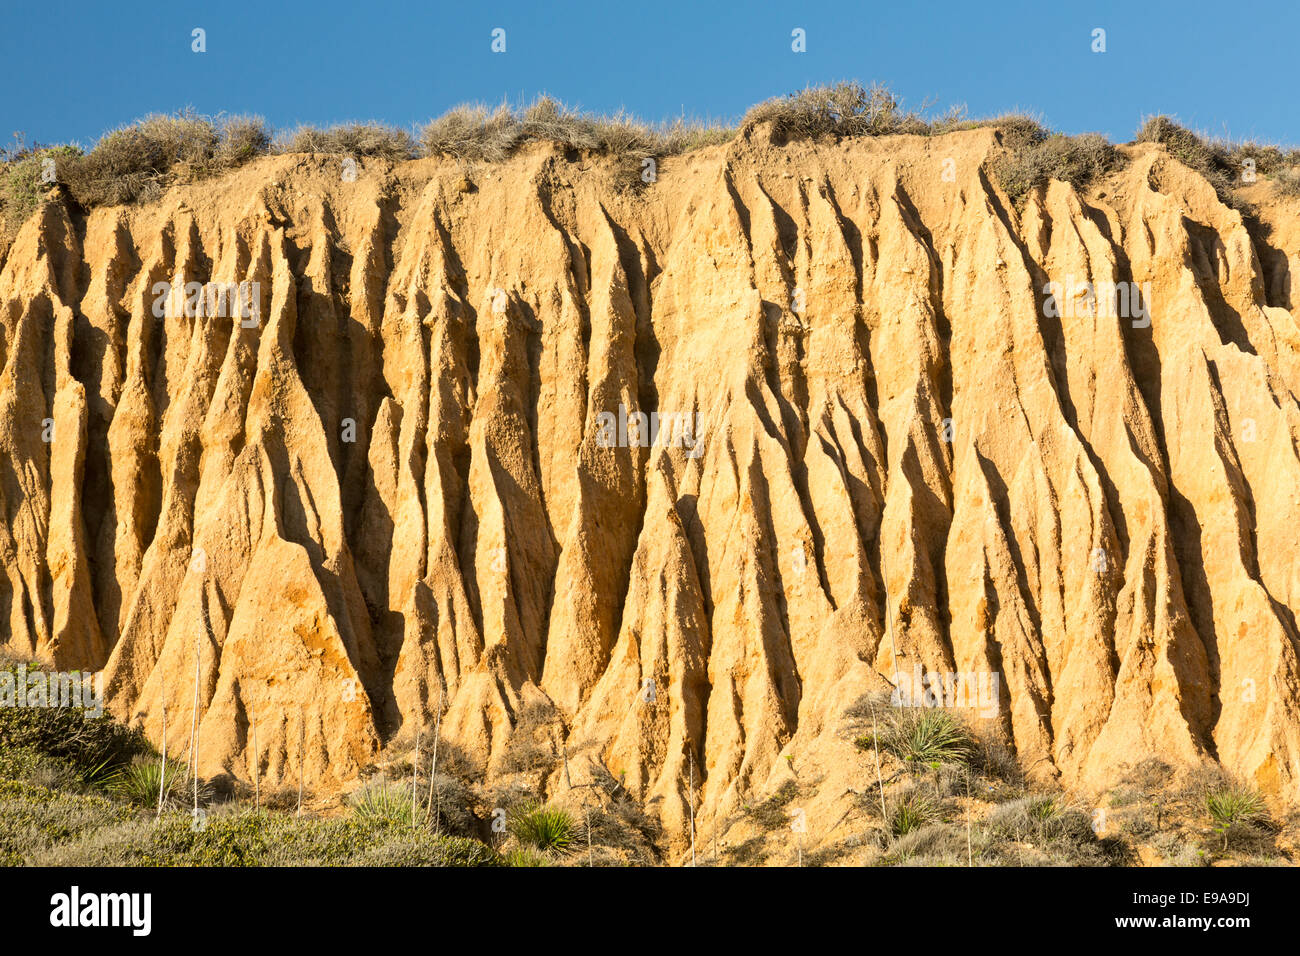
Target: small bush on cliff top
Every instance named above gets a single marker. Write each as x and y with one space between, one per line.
132 162
21 185
477 132
1223 163
353 139
1207 158
842 109
1033 156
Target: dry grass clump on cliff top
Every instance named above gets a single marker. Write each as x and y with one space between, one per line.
134 162
22 186
840 109
352 139
138 161
1224 163
477 132
1033 156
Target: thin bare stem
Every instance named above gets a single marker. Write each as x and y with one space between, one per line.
302 747
162 775
691 803
257 790
415 775
433 767
875 744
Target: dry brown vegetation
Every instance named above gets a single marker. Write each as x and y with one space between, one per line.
1223 162
137 161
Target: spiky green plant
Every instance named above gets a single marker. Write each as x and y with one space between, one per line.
101 775
1233 808
383 803
141 780
548 829
911 813
522 856
926 735
1230 805
1043 809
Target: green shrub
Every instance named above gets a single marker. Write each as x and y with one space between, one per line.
26 764
424 849
86 742
217 840
21 188
522 856
34 818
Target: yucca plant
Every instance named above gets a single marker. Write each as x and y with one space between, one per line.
100 775
142 779
547 829
1043 809
1232 807
384 803
911 813
926 736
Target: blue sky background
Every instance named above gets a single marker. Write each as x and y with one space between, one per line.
72 70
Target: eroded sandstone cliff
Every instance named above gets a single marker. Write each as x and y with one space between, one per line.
885 443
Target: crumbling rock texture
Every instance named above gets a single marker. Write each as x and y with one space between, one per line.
392 496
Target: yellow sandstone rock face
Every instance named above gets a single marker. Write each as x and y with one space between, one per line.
894 433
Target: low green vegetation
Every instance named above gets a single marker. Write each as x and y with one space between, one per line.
544 829
84 744
911 813
383 802
148 780
921 736
773 813
1238 813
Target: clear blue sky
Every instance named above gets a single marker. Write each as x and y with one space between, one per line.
72 70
